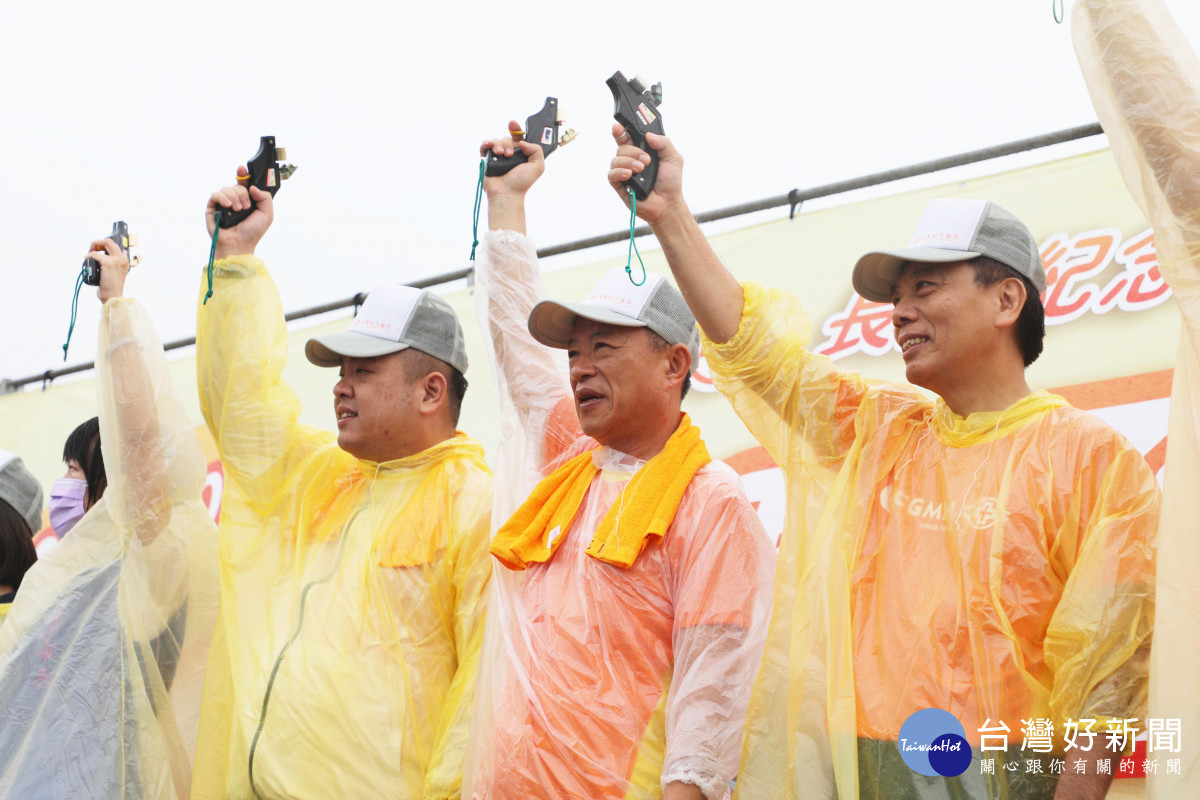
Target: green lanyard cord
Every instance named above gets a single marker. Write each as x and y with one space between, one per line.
212 252
1056 7
475 219
632 244
74 309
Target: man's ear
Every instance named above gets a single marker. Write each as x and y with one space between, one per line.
679 363
1010 299
432 391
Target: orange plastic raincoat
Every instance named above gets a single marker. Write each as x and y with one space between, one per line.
998 567
607 683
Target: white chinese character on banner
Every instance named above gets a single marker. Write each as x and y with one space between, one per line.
995 738
1039 735
1120 734
1071 732
1164 734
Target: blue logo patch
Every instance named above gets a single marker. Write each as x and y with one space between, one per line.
933 742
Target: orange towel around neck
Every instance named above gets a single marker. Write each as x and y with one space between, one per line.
651 499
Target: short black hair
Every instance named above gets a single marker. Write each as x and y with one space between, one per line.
658 344
1031 324
83 446
422 363
17 553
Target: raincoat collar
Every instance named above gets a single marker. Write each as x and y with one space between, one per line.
460 445
983 426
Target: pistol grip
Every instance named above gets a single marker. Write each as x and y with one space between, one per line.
91 272
642 183
229 217
638 115
541 128
120 236
500 165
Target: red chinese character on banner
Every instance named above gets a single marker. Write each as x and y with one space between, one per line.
1069 263
1146 287
864 327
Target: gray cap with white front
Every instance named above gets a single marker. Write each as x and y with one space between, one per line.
615 300
395 318
954 230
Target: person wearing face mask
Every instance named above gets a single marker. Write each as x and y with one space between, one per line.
103 653
84 482
20 515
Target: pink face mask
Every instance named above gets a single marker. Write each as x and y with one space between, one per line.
66 504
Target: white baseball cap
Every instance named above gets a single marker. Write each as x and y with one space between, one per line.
954 230
616 300
395 318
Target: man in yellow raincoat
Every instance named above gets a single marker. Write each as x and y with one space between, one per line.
631 600
353 570
989 554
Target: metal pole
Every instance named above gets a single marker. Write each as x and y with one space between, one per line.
793 198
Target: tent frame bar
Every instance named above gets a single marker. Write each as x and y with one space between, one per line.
794 199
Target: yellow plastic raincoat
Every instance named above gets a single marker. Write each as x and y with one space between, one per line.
352 592
607 683
102 655
998 567
1144 80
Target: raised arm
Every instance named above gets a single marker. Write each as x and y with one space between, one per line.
1142 76
241 347
756 339
134 388
710 289
531 382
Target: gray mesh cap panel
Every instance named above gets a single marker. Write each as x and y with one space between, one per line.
433 329
391 320
1002 236
668 315
615 300
953 230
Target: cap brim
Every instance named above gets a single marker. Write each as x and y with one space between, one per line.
876 273
553 323
327 351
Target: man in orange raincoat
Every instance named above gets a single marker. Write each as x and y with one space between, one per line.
988 553
631 600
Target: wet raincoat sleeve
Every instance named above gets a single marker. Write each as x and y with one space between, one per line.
1097 643
718 637
241 348
538 422
779 388
103 654
804 411
1144 80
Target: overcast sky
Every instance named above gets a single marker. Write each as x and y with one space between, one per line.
139 110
